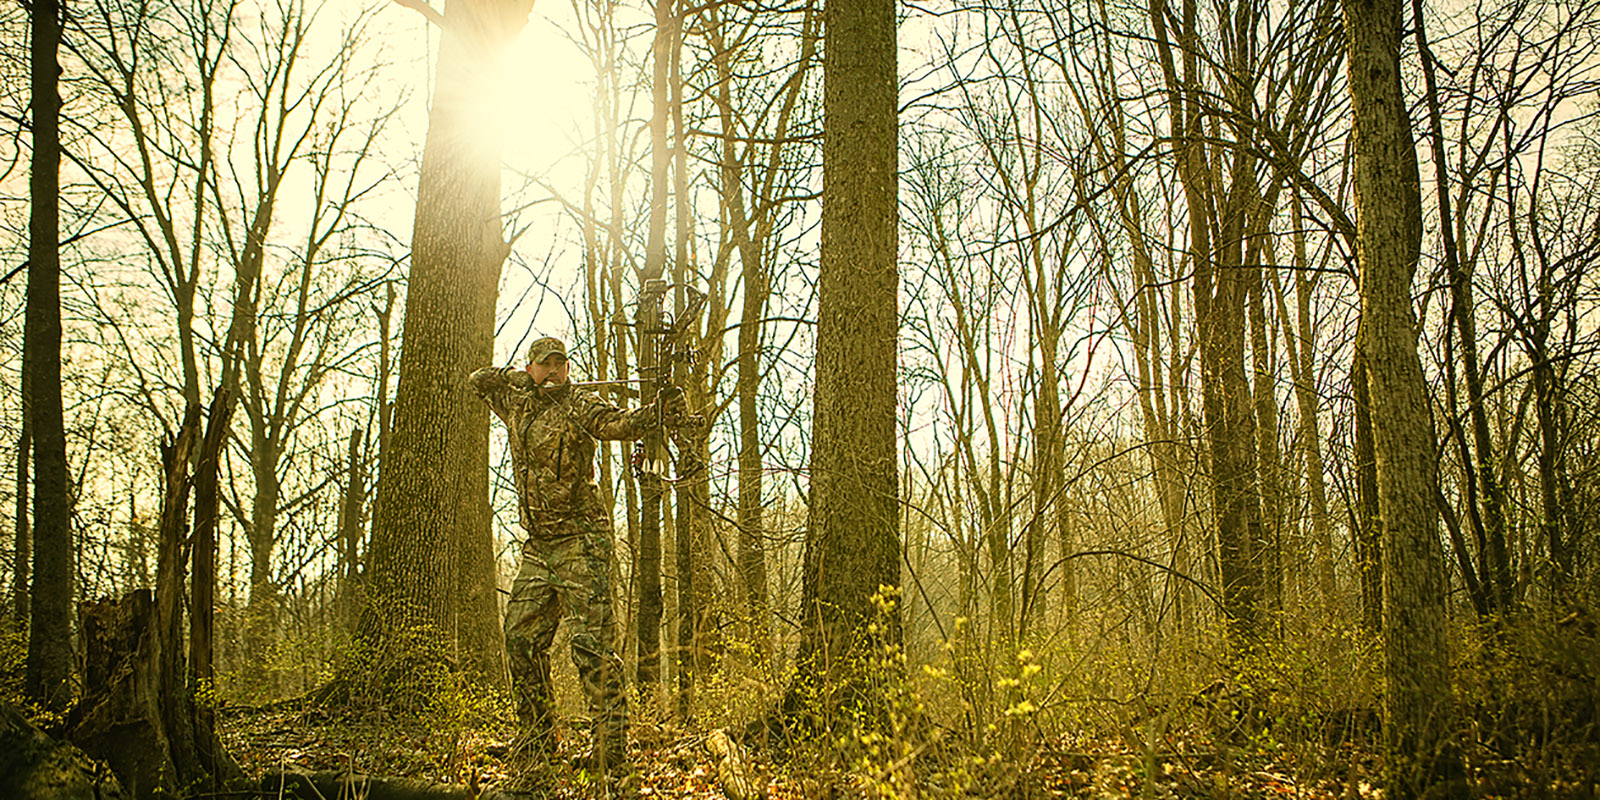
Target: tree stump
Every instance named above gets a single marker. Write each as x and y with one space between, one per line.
121 718
129 716
138 711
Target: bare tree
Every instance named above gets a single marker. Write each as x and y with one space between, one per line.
49 670
1219 212
853 537
759 134
284 338
1418 707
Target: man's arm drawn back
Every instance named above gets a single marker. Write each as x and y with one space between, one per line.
497 386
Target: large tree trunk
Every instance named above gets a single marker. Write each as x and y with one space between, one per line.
1418 708
49 671
432 553
853 539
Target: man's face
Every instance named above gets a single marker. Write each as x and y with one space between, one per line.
552 370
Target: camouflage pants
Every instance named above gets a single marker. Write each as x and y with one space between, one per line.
566 570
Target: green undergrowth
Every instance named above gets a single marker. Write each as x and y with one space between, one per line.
13 680
1096 711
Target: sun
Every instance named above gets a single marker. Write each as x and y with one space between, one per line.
548 109
537 111
529 103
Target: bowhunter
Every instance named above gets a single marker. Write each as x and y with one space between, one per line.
566 557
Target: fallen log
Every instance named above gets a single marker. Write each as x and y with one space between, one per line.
34 766
735 774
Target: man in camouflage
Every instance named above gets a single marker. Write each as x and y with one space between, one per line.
566 557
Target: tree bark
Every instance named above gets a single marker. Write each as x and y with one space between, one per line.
385 370
1368 527
22 561
202 606
752 553
852 540
49 669
1418 707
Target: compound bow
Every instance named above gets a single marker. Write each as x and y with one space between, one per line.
667 351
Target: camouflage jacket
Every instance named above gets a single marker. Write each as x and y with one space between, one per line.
552 432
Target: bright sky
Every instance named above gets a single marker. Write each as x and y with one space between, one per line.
549 121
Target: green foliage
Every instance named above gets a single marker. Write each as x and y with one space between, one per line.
400 664
396 678
881 734
281 665
1312 687
1529 692
13 680
742 675
13 664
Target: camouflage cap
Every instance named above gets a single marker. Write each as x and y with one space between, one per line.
542 349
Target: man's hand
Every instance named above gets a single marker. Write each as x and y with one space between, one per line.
673 406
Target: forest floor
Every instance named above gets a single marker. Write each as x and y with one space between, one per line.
675 763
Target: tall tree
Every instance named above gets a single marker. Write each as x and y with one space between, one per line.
853 537
1418 708
49 672
283 335
762 117
648 568
1222 197
432 555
